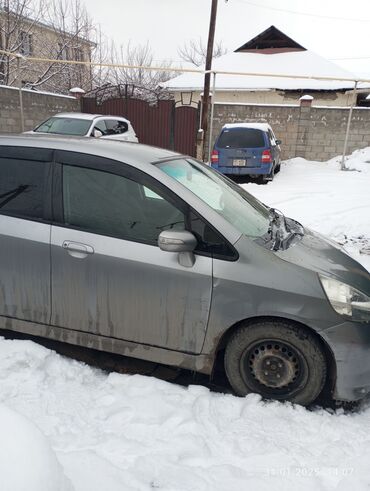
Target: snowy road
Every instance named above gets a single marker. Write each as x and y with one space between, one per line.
113 432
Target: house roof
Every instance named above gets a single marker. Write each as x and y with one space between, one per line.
289 61
271 38
44 25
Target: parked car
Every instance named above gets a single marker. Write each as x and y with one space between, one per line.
140 251
247 149
90 125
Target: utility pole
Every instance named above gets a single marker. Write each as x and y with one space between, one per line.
207 76
19 81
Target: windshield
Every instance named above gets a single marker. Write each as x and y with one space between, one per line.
243 211
65 126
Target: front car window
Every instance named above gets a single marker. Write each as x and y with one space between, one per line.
248 215
65 126
108 204
101 126
116 127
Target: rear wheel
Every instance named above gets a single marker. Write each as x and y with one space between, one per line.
277 360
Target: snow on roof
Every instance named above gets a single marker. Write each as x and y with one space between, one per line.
88 116
77 115
255 126
303 64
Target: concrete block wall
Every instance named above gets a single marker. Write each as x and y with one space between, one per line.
37 106
315 133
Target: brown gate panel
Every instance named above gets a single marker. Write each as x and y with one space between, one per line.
185 134
159 124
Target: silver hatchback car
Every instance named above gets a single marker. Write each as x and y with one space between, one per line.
88 125
140 251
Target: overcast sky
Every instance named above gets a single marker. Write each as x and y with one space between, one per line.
335 28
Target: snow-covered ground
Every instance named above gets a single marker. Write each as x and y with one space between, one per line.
333 202
114 432
129 432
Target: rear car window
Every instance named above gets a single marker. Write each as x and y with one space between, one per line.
22 188
241 138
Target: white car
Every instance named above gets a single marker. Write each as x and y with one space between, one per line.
89 125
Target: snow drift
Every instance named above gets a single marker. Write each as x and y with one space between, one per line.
27 461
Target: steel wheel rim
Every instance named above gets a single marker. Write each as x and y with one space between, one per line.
273 368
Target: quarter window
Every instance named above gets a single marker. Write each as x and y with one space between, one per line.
113 205
272 137
22 188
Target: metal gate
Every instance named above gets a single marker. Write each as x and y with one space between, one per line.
161 124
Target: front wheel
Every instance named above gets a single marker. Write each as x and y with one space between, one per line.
277 360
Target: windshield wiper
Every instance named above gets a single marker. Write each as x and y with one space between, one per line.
283 230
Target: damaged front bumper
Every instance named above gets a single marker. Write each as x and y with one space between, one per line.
350 345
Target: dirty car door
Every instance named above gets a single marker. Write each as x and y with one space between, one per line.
109 277
24 234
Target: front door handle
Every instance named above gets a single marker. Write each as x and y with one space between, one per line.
76 249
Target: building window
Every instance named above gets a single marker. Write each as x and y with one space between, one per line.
2 64
78 54
26 43
63 52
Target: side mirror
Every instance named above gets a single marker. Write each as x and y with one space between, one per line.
97 133
180 241
278 142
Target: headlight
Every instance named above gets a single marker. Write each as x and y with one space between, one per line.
346 300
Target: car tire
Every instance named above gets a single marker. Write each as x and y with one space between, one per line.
277 360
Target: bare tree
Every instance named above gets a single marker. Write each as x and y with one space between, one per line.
14 32
62 32
48 29
194 51
142 82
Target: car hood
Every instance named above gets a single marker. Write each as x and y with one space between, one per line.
320 254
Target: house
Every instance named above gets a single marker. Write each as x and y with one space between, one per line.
271 52
33 38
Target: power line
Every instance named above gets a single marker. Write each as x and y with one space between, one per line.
352 58
296 12
31 59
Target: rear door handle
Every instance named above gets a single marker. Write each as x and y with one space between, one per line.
76 249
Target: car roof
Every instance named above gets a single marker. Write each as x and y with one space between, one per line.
256 126
88 117
129 152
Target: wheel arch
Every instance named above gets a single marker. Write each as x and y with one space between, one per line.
329 355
